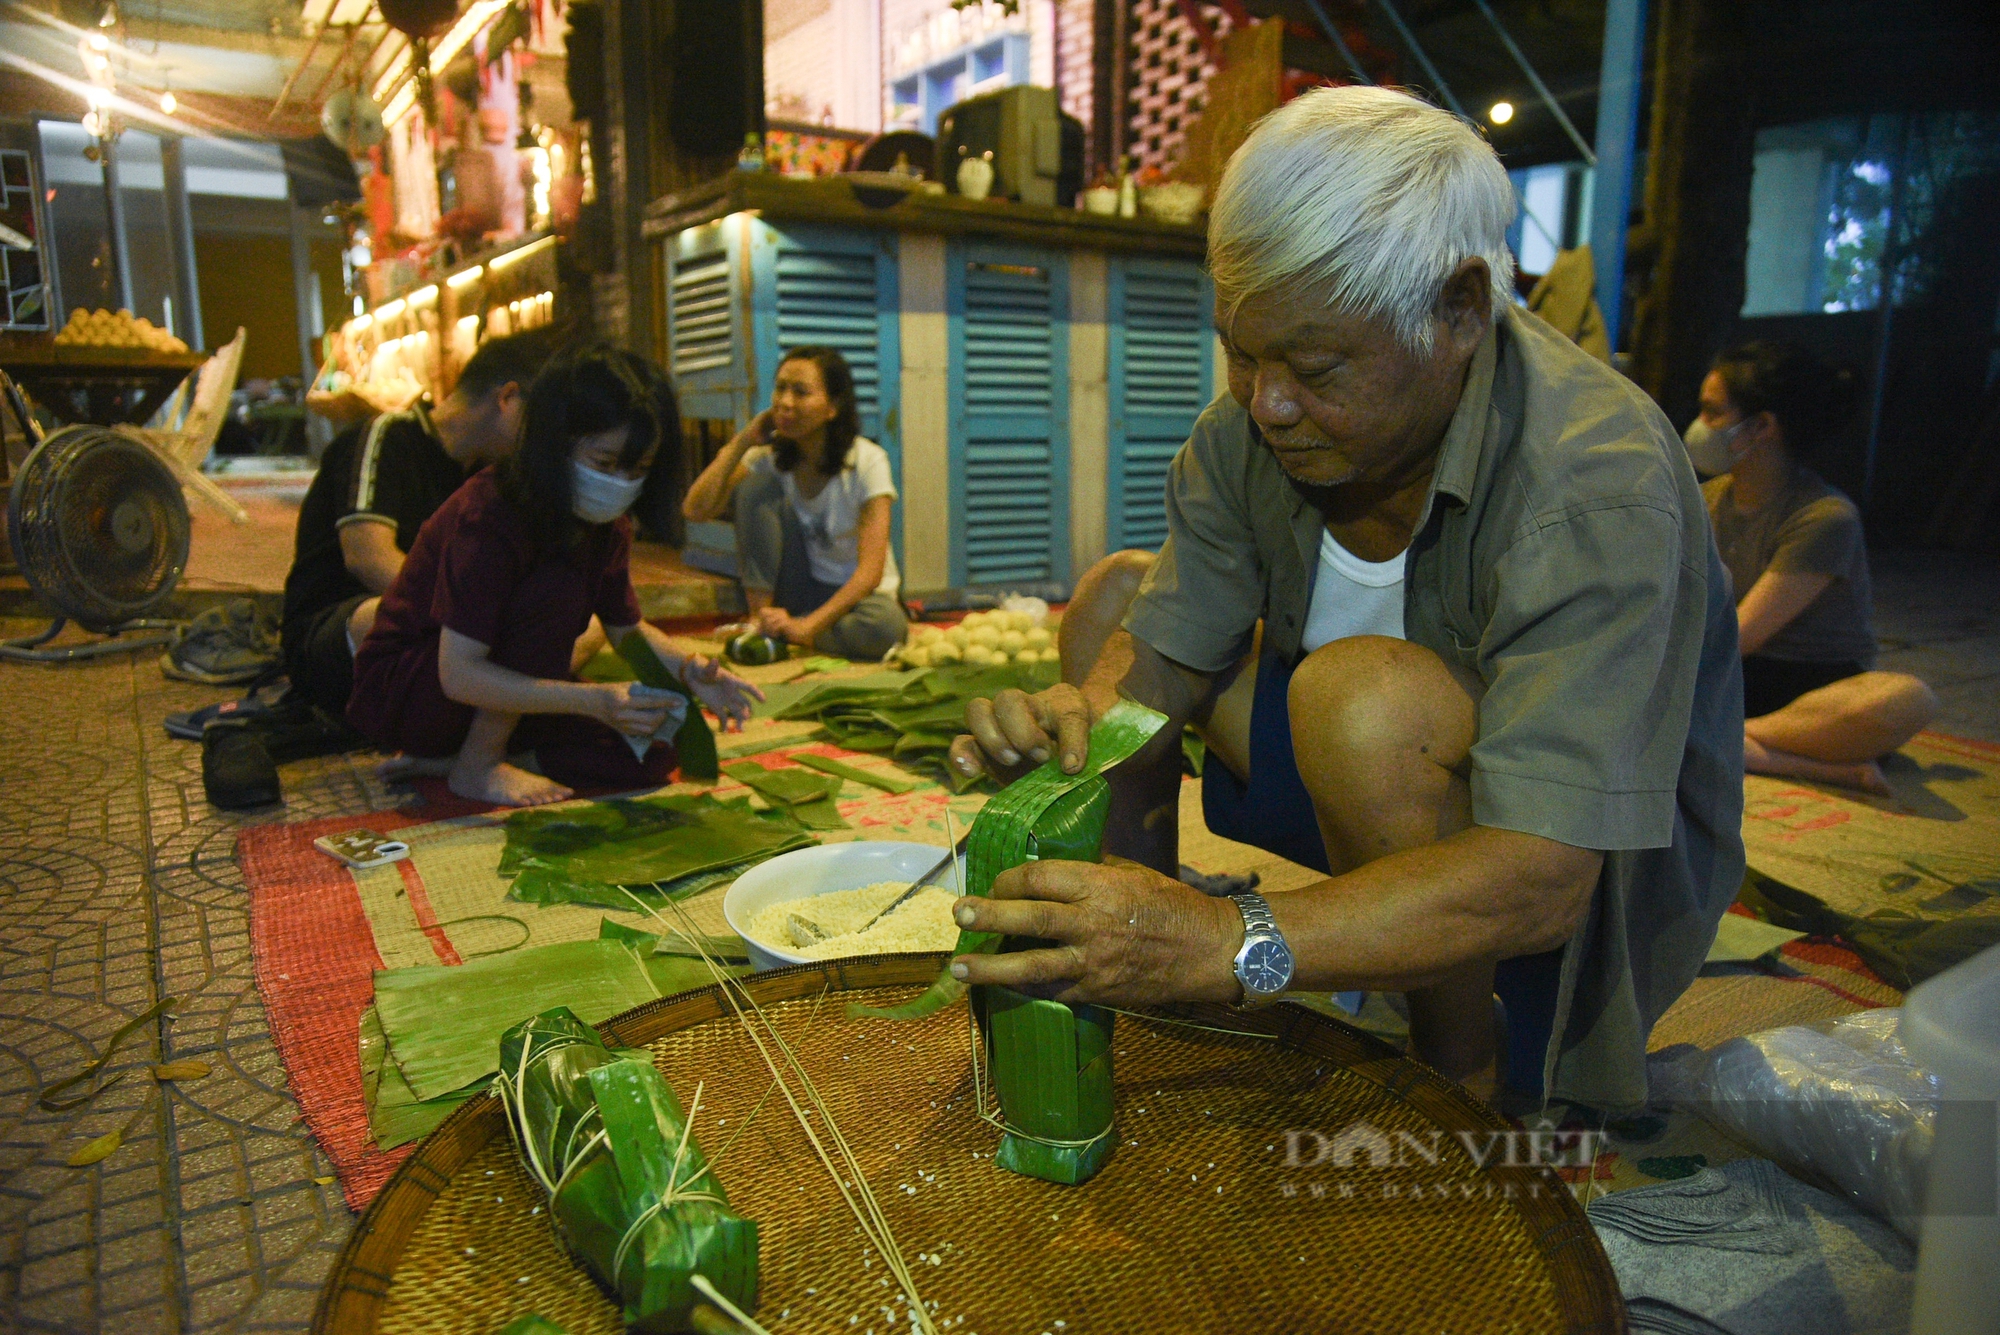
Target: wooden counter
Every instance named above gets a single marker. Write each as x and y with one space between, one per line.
833 200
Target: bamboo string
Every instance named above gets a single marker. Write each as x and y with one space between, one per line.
678 1188
857 1195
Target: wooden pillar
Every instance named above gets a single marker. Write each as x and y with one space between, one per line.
1689 251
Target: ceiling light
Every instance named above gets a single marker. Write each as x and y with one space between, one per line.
168 102
1500 113
100 42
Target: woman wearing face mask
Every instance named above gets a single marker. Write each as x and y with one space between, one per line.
1813 709
812 500
467 670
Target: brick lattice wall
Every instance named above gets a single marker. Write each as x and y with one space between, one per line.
1168 79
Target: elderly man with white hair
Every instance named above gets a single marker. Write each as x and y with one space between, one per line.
1439 591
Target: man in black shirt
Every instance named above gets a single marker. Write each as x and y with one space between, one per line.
377 484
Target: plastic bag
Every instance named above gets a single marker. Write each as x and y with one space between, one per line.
1840 1101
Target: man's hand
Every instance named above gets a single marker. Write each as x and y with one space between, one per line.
1015 731
726 695
1121 936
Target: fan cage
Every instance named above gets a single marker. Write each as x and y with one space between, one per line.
98 527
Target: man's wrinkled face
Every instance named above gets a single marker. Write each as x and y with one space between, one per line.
1337 397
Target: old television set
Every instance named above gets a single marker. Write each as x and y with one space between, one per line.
1037 150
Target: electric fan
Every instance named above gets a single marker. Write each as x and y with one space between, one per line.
100 530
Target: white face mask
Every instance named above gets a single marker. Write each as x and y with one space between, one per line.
1712 451
599 498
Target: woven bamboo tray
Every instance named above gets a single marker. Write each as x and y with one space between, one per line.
1197 1223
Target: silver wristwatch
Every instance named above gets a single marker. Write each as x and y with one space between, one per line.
1264 964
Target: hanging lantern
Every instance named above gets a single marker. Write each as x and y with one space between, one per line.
419 18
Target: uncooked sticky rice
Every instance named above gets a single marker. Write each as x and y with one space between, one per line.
922 924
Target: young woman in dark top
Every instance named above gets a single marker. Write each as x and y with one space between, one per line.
1813 706
467 671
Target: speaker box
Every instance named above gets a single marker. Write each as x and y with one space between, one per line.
716 52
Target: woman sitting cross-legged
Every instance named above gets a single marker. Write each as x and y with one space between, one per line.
1812 707
812 500
467 671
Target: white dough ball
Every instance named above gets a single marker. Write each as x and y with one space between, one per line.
944 651
986 637
1037 638
1013 641
958 637
979 653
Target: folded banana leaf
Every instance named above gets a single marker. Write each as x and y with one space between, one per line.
395 1115
806 797
694 744
659 847
443 1023
853 773
916 721
1051 1066
1051 1062
630 1192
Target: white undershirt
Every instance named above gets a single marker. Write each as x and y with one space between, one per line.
1353 597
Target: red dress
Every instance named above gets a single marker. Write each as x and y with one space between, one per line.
473 569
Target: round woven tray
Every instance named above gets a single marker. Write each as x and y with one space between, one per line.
1198 1222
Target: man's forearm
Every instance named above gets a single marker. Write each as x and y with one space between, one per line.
1405 920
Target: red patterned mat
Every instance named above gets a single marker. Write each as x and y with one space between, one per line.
314 959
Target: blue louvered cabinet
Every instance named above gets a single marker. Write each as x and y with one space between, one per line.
834 288
1160 374
1008 309
741 292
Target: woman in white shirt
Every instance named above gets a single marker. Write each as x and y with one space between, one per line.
811 498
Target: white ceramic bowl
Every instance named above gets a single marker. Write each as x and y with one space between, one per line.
818 871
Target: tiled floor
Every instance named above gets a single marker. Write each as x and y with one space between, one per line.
118 886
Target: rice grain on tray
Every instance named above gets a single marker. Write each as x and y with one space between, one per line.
922 924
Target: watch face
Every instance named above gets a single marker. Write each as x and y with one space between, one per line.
1267 967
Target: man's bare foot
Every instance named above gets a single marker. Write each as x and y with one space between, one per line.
506 785
1864 775
400 766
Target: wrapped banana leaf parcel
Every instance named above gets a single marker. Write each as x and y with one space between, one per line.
630 1193
1050 1063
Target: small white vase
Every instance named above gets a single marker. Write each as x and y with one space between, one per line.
975 178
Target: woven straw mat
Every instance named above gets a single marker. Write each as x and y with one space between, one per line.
1196 1223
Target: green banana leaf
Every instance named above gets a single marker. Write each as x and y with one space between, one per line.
580 853
854 774
630 1192
1051 1062
916 721
1043 814
806 797
1051 1067
694 744
395 1115
443 1023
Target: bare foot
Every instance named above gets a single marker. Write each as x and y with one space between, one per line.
506 785
1864 775
400 766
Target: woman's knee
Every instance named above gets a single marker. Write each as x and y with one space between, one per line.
1901 702
1367 693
